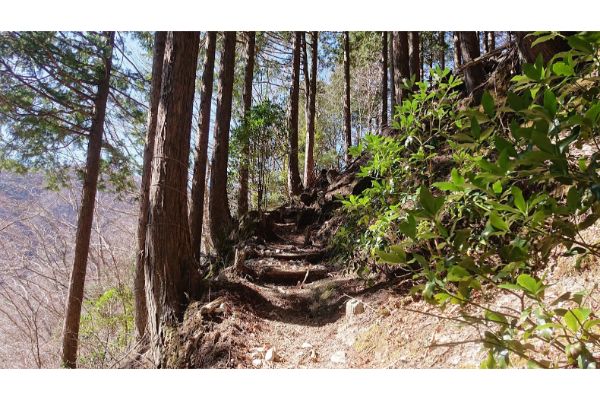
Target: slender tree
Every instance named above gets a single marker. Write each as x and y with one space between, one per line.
474 74
491 40
141 312
201 150
442 44
414 57
168 249
401 64
86 212
391 66
457 51
486 43
294 182
347 126
220 216
309 161
384 80
247 100
58 92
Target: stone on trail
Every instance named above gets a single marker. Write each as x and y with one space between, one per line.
257 362
354 307
271 355
339 357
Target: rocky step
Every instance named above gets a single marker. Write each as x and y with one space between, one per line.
272 270
288 252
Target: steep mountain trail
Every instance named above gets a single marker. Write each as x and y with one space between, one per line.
284 303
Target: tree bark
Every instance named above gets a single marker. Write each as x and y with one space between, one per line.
201 150
442 42
401 64
474 75
86 212
220 217
457 51
384 80
347 123
309 161
168 247
486 44
414 57
547 49
247 100
294 182
491 40
141 312
391 66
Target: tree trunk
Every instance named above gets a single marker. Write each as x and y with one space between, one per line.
86 212
384 80
474 75
141 312
168 247
414 57
457 51
547 49
201 151
401 64
491 40
294 182
309 161
392 74
347 125
486 43
442 41
220 217
247 99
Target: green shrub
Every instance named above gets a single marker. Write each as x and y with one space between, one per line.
476 200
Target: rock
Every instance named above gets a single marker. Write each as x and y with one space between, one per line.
257 362
306 345
271 355
354 307
216 306
313 355
339 357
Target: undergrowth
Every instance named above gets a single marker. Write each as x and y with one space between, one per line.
476 201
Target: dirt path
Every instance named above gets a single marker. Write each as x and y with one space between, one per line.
285 307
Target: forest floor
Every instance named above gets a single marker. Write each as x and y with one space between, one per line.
283 305
271 325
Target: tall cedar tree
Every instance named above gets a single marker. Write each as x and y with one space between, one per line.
220 217
547 49
201 149
384 80
392 69
491 35
401 64
442 43
414 55
309 160
141 312
474 74
347 125
168 249
294 182
247 100
54 104
457 55
86 212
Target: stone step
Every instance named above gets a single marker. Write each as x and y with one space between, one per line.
271 270
287 252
